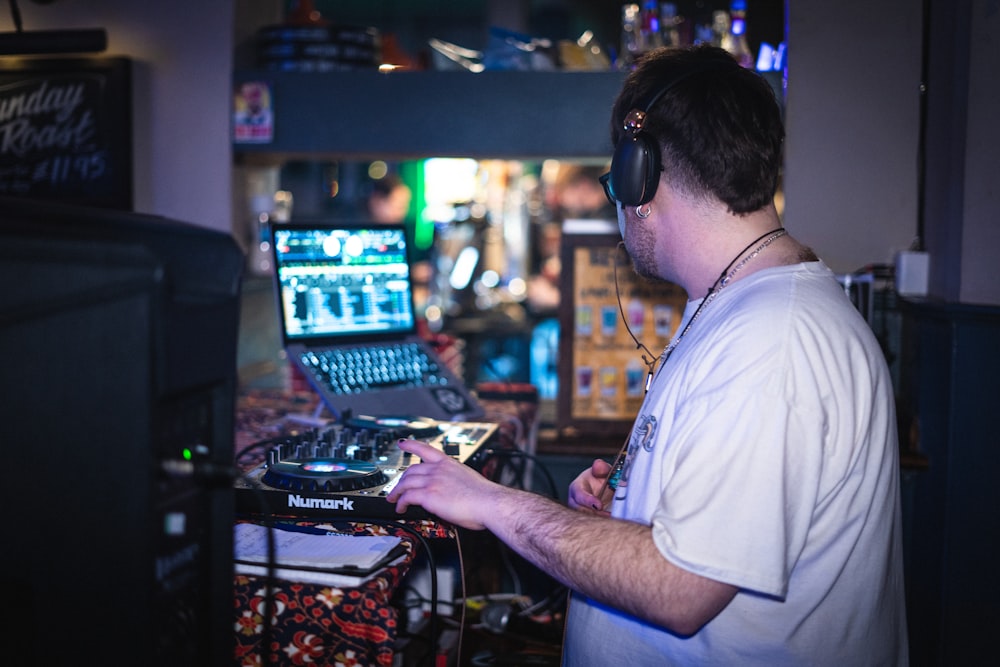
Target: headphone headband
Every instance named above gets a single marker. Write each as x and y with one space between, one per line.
636 164
697 69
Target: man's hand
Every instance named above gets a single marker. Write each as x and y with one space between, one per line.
444 487
584 489
580 549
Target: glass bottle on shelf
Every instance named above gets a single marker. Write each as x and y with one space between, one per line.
736 42
702 24
649 22
631 46
721 29
670 34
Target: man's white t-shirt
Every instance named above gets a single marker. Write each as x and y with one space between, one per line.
765 456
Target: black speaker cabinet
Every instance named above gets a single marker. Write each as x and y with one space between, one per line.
118 333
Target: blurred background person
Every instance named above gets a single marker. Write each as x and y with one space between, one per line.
389 203
575 193
390 198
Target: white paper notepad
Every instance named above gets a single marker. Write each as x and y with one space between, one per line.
332 559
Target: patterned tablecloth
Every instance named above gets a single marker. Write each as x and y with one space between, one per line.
318 625
313 624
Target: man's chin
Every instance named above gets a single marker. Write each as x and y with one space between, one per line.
640 268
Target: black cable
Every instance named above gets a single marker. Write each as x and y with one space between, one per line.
270 442
270 576
518 453
208 474
269 585
431 563
556 596
502 468
652 359
421 599
268 520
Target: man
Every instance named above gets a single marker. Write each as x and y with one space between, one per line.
756 519
389 200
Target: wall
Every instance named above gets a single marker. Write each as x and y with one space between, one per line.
852 124
964 151
981 241
182 62
852 155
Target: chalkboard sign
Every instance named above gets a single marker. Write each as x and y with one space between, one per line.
66 130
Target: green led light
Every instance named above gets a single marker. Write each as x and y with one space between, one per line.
186 454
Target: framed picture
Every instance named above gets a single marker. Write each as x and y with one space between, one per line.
66 130
602 369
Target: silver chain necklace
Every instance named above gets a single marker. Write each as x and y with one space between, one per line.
724 279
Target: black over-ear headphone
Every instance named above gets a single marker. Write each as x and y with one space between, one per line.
636 166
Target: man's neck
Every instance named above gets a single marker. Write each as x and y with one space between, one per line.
724 240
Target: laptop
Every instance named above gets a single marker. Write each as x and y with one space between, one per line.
345 305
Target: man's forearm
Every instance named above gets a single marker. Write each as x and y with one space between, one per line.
612 561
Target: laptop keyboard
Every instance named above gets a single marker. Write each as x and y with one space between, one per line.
360 369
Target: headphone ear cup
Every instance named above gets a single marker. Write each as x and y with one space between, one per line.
635 169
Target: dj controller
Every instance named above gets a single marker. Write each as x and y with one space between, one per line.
346 470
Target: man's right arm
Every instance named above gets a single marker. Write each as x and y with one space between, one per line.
614 562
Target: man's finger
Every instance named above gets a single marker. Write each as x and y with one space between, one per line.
421 449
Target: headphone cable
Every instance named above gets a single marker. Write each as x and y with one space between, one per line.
651 360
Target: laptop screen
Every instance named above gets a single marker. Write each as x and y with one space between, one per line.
337 281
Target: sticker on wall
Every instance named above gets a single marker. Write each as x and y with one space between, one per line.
253 119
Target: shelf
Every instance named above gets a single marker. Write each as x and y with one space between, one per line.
402 115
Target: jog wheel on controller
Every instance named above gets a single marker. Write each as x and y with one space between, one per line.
323 474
